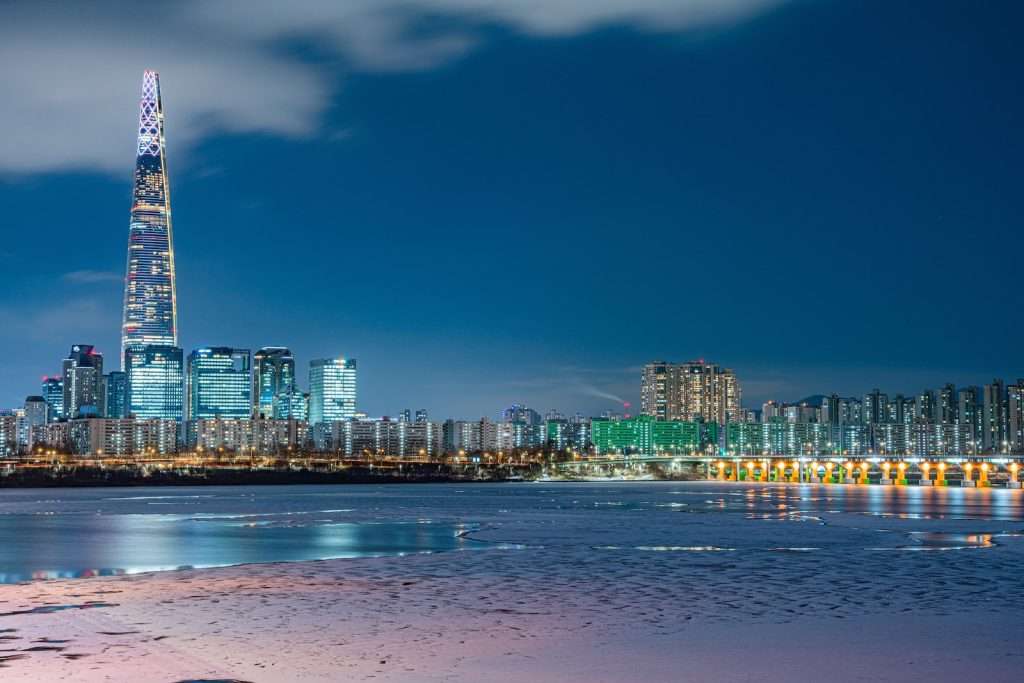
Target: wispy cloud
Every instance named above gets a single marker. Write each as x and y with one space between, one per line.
85 277
70 78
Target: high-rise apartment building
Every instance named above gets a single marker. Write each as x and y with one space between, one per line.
658 389
946 405
924 408
332 390
876 408
150 300
273 382
155 378
82 382
994 429
1015 416
689 391
969 416
838 411
219 383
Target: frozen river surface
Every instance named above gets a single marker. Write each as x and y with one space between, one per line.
653 581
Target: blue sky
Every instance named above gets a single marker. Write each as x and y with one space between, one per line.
491 202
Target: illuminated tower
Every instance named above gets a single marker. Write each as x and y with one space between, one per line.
150 306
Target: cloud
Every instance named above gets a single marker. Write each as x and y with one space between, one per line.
86 277
70 74
81 317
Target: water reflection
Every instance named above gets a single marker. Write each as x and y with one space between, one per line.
63 546
70 533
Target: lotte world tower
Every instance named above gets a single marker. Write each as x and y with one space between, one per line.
150 305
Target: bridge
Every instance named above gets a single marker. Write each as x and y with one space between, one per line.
951 470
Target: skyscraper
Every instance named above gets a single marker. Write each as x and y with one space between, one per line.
332 390
116 387
83 380
150 303
53 394
155 381
219 383
274 382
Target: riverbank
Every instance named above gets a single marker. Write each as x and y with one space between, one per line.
77 477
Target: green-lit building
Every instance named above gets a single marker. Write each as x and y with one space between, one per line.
644 435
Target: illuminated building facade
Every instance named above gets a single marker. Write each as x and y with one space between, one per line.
219 383
689 392
53 394
150 303
274 382
332 390
83 381
116 388
155 381
646 434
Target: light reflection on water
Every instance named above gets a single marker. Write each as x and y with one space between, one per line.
70 533
76 546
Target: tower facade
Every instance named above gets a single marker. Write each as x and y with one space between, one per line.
150 300
274 380
332 390
155 381
219 383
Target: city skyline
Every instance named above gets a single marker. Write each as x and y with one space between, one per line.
435 324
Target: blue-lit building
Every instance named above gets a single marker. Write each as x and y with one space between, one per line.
53 394
274 382
150 300
155 377
219 383
115 387
36 411
293 406
332 390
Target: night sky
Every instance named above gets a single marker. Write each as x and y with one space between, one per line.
498 202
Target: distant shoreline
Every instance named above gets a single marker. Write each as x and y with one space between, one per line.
93 477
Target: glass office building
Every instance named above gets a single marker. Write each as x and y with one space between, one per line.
332 390
219 383
155 381
116 388
274 382
53 394
150 303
